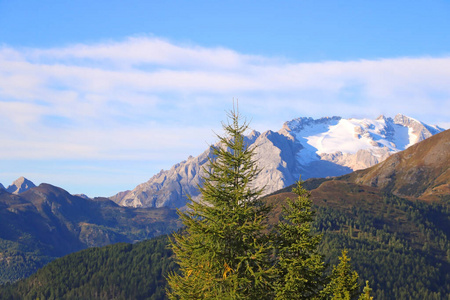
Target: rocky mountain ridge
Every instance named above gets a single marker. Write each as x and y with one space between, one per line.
324 147
20 185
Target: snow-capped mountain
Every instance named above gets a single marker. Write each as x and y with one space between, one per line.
304 147
2 187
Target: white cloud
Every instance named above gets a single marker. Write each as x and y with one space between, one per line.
147 97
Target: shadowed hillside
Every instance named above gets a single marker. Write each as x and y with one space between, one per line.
46 222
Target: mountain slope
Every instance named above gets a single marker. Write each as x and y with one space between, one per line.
304 146
421 171
389 246
393 217
47 222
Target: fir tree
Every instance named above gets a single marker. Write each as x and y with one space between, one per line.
344 281
224 252
366 292
300 266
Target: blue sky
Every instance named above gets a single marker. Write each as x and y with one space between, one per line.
98 96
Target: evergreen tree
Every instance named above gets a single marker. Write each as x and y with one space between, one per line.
344 281
224 251
366 292
300 266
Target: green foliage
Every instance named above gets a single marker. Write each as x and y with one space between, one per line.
47 222
300 267
120 271
224 253
344 281
366 292
227 250
387 245
381 251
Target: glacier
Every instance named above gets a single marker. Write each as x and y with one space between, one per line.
306 147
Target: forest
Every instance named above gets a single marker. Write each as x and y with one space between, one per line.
397 266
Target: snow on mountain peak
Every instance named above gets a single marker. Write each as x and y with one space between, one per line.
417 130
301 123
328 146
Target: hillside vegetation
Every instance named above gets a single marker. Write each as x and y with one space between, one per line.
119 271
400 246
46 222
397 236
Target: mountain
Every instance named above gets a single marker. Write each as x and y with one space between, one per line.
394 218
2 187
20 185
422 171
304 146
46 222
397 239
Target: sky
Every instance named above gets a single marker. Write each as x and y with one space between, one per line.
98 96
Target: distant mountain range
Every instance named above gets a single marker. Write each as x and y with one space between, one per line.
44 222
393 218
18 186
304 147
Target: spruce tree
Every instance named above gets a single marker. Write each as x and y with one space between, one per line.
300 266
344 281
224 251
366 292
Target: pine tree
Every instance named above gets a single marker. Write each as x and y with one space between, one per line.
344 281
300 266
224 251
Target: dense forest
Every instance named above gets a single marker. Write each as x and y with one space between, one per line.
412 262
119 271
400 246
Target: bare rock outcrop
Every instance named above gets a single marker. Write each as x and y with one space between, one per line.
20 185
305 147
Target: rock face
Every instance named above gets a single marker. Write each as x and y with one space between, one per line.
20 185
304 147
168 188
